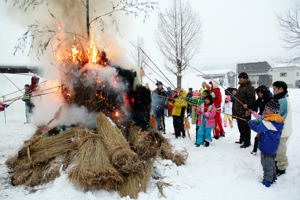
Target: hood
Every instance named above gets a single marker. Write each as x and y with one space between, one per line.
195 94
214 83
183 93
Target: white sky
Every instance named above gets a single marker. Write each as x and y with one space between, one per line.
234 31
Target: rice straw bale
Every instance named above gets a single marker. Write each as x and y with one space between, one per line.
145 143
179 158
121 156
93 169
138 182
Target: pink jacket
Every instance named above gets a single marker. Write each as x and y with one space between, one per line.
209 115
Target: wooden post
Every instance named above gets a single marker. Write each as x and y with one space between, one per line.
4 112
88 18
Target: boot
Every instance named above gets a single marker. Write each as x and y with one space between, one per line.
206 144
280 172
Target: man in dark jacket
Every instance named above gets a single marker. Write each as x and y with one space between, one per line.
189 107
245 98
159 101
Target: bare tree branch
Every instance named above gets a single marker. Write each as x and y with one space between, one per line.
289 25
179 30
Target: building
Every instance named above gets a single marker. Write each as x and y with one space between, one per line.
259 72
288 74
226 77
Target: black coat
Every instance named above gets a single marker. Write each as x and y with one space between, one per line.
245 94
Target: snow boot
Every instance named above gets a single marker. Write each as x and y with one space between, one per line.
266 183
280 172
206 144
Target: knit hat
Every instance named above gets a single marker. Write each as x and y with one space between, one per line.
243 75
273 105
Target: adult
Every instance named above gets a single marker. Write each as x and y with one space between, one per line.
245 98
281 94
159 101
217 98
189 107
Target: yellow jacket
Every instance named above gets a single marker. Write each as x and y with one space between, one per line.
179 103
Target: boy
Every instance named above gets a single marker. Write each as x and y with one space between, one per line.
281 94
28 104
269 127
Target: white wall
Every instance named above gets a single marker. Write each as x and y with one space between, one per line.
293 74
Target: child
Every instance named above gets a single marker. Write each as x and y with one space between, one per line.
28 104
206 121
269 127
264 96
227 110
281 94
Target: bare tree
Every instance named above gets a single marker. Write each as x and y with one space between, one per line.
289 24
179 30
39 35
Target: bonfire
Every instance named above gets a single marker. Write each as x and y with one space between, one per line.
118 152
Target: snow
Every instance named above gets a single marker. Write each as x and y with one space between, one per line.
221 171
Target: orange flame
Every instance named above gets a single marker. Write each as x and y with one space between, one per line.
93 53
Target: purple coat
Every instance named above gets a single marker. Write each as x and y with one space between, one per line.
209 115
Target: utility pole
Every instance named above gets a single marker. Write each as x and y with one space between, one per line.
88 18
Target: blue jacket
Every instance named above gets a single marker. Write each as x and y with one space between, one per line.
270 132
159 100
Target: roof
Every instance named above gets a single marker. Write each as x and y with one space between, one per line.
253 68
287 67
216 72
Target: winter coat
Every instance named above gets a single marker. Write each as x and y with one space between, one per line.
179 104
285 112
209 115
159 100
246 94
270 129
227 108
260 103
216 94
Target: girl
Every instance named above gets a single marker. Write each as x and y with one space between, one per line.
227 110
206 121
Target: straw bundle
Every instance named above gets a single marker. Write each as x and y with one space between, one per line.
93 169
121 156
152 122
145 143
136 183
49 147
176 157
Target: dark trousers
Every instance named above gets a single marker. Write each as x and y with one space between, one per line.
268 164
255 144
245 132
178 126
160 119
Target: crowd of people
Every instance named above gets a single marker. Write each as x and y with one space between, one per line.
270 113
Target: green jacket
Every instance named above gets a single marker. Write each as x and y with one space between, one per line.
194 102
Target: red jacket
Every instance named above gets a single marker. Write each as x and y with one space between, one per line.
217 96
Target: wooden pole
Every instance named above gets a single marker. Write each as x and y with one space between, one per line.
4 112
88 18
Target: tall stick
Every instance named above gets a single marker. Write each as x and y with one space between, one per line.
88 18
4 112
12 83
156 66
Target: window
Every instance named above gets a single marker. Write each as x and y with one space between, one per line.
283 74
297 73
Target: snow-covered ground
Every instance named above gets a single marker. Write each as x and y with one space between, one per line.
221 171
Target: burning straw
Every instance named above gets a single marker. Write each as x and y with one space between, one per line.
121 156
93 169
145 143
